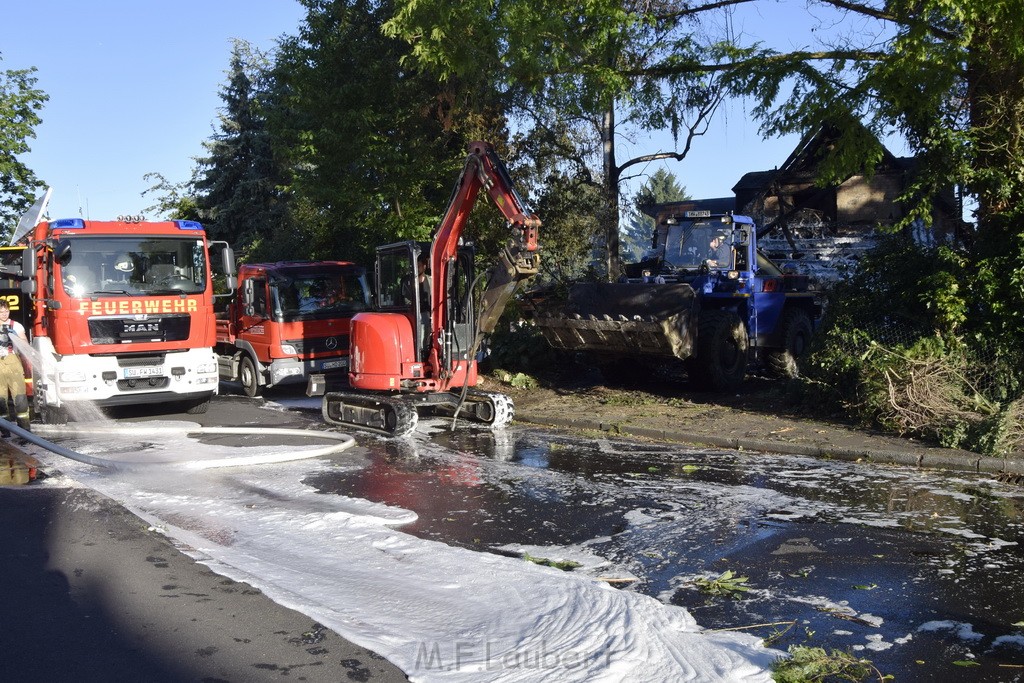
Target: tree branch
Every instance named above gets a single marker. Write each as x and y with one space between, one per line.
690 11
698 128
799 56
865 10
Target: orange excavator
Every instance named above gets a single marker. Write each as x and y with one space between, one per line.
416 351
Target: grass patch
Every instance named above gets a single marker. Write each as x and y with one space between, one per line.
816 664
564 565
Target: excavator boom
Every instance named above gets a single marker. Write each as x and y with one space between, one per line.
517 261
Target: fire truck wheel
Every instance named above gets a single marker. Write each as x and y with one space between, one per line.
198 407
54 416
248 377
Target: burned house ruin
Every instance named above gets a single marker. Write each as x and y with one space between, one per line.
822 231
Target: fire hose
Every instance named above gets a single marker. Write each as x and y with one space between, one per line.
341 442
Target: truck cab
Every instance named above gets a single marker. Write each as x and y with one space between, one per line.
122 313
287 320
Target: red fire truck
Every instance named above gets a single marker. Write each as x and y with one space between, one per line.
122 313
289 319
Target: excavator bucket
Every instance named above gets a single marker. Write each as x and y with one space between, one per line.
623 318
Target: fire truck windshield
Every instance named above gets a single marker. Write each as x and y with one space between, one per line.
323 293
133 266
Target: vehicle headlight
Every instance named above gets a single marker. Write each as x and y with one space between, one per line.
72 376
206 368
289 349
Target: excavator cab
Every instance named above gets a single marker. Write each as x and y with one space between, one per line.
404 286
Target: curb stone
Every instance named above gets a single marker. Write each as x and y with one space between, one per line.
915 455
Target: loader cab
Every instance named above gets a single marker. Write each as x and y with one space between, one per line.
691 244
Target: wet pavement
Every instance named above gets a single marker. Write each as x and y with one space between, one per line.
918 571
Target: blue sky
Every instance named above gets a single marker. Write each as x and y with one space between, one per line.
133 88
134 84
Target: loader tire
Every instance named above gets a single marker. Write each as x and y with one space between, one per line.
720 361
796 330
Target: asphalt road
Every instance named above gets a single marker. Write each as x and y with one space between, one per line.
92 594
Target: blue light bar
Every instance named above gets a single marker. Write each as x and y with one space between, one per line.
189 225
67 223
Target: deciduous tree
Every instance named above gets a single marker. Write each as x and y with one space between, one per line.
946 74
370 142
595 64
20 104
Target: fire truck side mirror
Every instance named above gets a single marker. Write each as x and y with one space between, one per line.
62 252
28 270
247 299
226 266
227 256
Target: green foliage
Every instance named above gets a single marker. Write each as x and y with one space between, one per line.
517 43
901 280
725 585
660 188
564 565
909 345
371 145
523 381
237 186
998 287
806 664
576 75
20 104
519 348
173 201
566 205
945 74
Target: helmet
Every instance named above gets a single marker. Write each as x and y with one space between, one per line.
124 263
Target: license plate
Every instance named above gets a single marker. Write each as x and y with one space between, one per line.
142 372
334 364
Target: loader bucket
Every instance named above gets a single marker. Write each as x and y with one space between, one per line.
623 318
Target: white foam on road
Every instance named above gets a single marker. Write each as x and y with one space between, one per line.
439 612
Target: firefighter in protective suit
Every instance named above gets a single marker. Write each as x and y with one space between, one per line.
12 373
